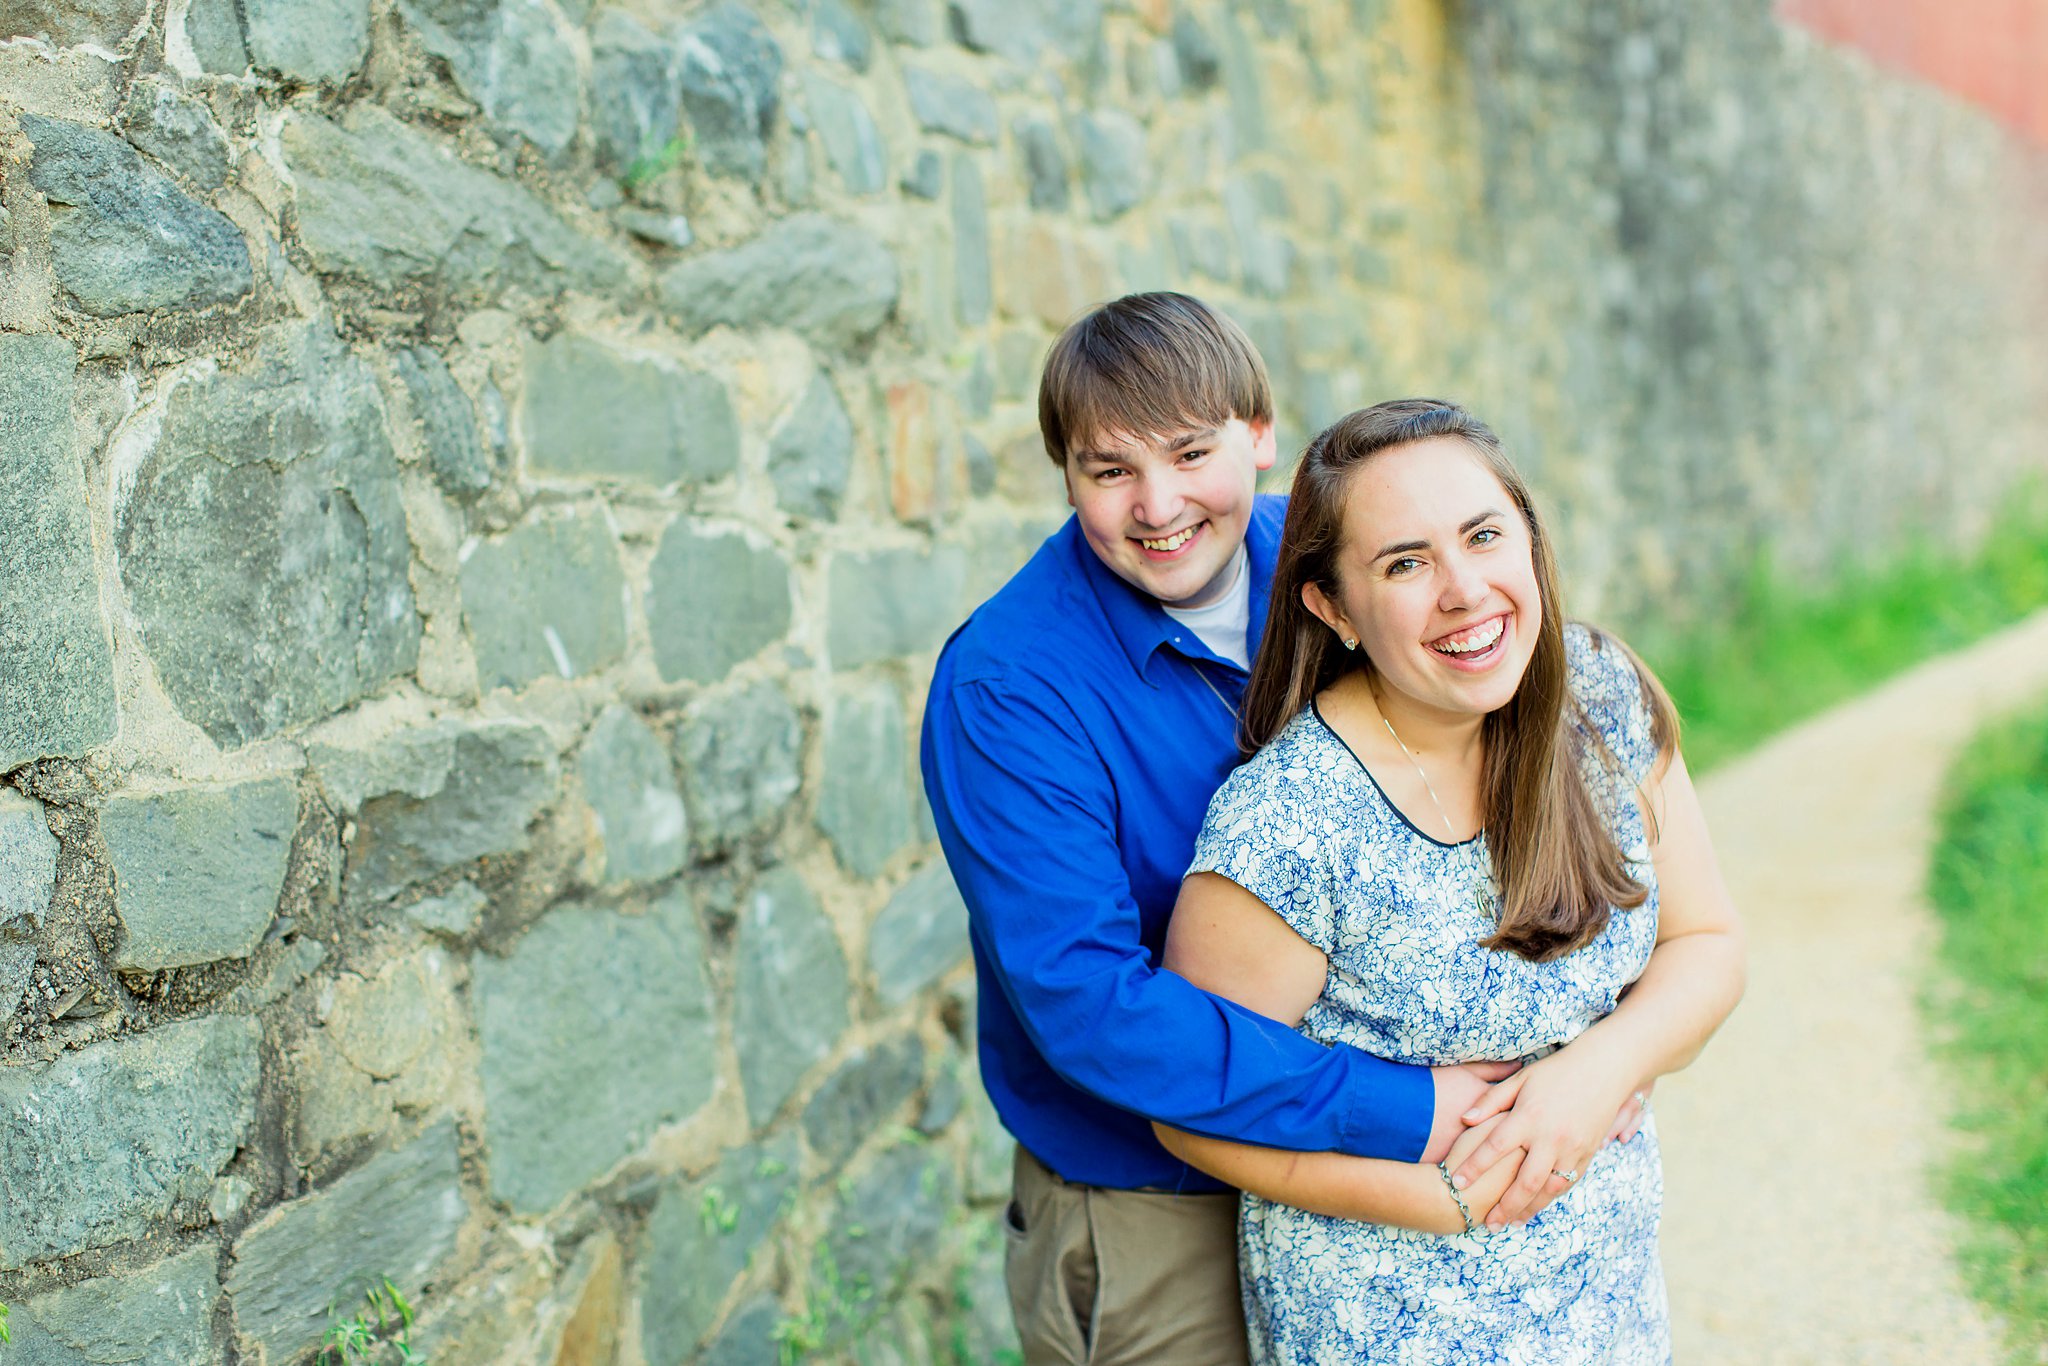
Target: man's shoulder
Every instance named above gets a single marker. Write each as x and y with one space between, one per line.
1030 630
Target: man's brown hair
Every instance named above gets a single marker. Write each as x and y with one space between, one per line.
1146 365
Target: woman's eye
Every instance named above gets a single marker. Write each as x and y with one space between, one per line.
1402 565
1485 535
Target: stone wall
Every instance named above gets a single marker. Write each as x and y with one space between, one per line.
482 483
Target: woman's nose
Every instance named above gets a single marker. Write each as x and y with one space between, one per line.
1463 585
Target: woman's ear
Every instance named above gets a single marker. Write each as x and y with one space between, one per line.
1318 602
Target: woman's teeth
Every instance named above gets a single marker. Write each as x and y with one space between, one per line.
1472 641
1173 542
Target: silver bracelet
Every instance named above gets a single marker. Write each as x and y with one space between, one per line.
1464 1209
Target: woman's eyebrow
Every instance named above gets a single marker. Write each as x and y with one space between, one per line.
1403 547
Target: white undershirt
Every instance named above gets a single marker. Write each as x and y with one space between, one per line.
1225 623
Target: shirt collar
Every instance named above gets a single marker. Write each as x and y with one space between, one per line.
1136 619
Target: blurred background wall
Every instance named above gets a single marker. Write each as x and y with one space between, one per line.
482 483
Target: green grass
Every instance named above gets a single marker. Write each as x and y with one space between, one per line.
1777 655
1989 879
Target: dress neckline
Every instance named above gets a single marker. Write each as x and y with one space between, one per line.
1316 709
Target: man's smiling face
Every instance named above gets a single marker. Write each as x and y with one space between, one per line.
1167 512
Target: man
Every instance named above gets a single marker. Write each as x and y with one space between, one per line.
1077 726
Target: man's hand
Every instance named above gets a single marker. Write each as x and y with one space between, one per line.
1458 1090
1560 1110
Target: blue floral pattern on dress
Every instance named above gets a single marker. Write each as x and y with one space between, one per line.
1306 829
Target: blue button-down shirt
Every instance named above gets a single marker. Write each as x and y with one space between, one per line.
1073 737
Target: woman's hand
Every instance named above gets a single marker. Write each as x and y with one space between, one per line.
1559 1110
1486 1191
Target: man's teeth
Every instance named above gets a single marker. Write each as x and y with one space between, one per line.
1472 641
1173 542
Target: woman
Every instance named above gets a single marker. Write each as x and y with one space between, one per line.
1466 833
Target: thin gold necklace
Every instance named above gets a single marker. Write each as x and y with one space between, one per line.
1480 900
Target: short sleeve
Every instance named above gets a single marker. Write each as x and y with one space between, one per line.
1259 835
1605 683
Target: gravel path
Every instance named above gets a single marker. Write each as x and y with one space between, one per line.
1800 1224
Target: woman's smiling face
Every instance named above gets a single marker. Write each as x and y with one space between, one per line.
1437 579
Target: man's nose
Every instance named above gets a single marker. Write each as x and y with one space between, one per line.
1159 502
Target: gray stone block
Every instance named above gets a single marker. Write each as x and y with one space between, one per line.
970 241
448 427
546 599
177 130
1116 173
631 786
308 40
123 237
596 1031
17 966
832 282
886 603
714 598
454 913
264 546
951 105
594 411
101 1142
1025 30
748 1338
730 67
438 797
511 57
1242 83
1045 164
790 990
920 936
839 35
853 144
635 93
214 28
103 23
397 1216
699 1239
386 204
914 23
810 452
866 1091
864 801
926 178
28 863
161 1315
1201 64
889 1219
49 579
197 871
741 761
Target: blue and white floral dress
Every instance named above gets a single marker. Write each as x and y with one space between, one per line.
1306 829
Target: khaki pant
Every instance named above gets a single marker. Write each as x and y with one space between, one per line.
1104 1277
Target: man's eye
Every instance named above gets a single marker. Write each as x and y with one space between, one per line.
1193 455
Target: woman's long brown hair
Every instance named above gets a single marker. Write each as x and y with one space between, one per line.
1558 867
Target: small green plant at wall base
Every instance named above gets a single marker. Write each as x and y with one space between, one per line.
719 1214
652 165
6 1334
380 1336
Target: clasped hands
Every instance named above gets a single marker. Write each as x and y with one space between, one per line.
1509 1132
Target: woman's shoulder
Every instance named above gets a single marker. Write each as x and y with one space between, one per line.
1282 763
1609 685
